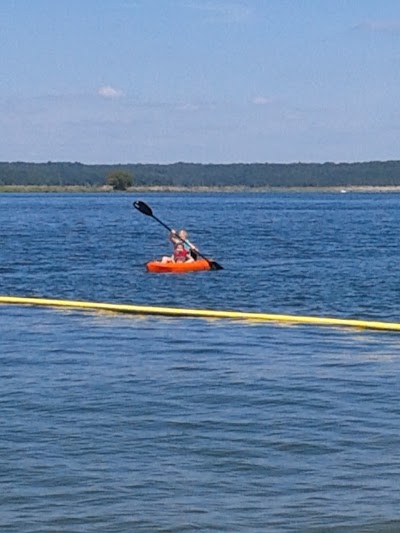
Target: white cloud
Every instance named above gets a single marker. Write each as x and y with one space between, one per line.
106 91
261 100
130 4
380 26
226 11
188 107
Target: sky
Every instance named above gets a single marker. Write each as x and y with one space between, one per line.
202 81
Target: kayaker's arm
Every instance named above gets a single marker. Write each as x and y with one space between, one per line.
173 237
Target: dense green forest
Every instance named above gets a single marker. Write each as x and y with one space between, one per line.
376 173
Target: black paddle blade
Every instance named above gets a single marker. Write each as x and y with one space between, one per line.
215 266
143 208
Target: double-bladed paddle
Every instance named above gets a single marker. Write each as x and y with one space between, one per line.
146 210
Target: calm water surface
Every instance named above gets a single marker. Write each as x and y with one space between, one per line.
120 424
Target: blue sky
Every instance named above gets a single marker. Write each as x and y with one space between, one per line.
206 81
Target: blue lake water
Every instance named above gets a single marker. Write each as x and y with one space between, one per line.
127 423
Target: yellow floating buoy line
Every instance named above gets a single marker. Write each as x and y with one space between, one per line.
200 313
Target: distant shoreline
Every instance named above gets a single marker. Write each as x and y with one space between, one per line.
197 189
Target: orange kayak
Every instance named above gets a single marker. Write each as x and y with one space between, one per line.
158 266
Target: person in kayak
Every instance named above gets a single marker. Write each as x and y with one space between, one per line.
180 255
181 236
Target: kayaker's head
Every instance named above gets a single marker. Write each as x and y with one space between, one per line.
183 234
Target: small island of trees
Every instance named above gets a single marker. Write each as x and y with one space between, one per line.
119 180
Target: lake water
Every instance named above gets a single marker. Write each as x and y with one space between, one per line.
126 423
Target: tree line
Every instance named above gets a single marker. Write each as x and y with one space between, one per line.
374 173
